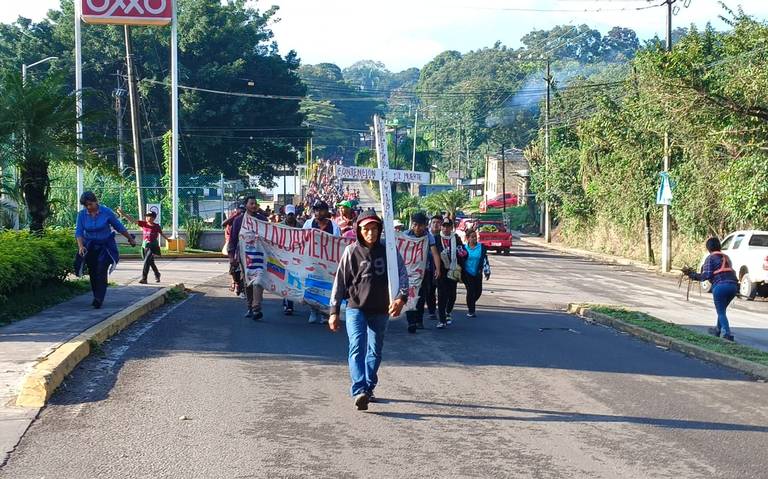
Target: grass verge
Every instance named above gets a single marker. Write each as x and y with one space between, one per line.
27 303
682 333
176 294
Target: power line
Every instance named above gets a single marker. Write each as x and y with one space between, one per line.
562 10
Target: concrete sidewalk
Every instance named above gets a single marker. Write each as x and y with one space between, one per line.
641 288
24 343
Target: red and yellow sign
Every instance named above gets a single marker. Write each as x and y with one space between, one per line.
128 12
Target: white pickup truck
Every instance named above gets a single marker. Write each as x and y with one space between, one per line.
748 252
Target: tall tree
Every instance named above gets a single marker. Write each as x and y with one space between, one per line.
37 126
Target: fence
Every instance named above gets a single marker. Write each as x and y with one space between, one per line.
207 197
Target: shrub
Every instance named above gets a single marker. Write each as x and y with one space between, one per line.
194 228
28 262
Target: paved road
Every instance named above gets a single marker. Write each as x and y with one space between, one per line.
368 198
553 279
522 391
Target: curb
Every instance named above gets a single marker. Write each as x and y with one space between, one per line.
750 368
179 256
40 383
596 256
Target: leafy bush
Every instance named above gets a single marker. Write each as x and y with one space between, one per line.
28 262
194 227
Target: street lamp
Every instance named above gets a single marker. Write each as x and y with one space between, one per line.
25 67
548 79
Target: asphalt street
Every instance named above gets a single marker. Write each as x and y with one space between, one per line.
198 391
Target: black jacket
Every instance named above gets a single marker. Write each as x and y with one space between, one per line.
362 277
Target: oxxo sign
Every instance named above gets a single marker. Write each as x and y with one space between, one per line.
128 12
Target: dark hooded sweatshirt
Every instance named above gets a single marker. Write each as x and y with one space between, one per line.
362 275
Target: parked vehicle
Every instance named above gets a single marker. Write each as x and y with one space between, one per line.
499 202
748 252
492 234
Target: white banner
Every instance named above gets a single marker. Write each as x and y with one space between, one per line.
300 265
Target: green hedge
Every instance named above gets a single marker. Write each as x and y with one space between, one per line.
28 262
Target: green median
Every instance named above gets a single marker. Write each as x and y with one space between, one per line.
682 333
25 303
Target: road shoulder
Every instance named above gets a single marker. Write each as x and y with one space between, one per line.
751 368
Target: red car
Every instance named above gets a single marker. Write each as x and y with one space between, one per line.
492 234
499 201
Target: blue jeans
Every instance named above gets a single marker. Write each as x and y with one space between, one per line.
723 294
366 340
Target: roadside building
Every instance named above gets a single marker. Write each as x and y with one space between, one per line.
513 173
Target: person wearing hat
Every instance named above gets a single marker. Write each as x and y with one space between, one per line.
419 229
435 224
399 226
321 221
291 222
362 280
290 217
150 246
347 216
452 255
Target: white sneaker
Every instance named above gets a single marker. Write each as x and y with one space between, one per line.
313 317
441 325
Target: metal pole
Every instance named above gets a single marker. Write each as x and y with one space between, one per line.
666 235
223 204
79 105
175 119
120 130
547 218
135 125
415 186
503 181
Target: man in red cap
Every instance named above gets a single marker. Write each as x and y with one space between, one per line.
362 281
347 217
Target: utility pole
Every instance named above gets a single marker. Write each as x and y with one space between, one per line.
547 219
666 235
119 114
136 134
394 160
80 173
503 181
415 186
458 156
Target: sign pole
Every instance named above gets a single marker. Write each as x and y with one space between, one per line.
79 104
175 120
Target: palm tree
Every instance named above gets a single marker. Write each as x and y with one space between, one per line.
449 202
37 124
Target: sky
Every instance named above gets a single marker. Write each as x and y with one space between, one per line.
409 33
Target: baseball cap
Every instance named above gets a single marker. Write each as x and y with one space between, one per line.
419 218
290 210
397 223
346 203
320 205
448 222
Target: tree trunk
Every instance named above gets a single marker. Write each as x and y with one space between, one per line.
648 240
35 184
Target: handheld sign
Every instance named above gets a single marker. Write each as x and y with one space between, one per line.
385 177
